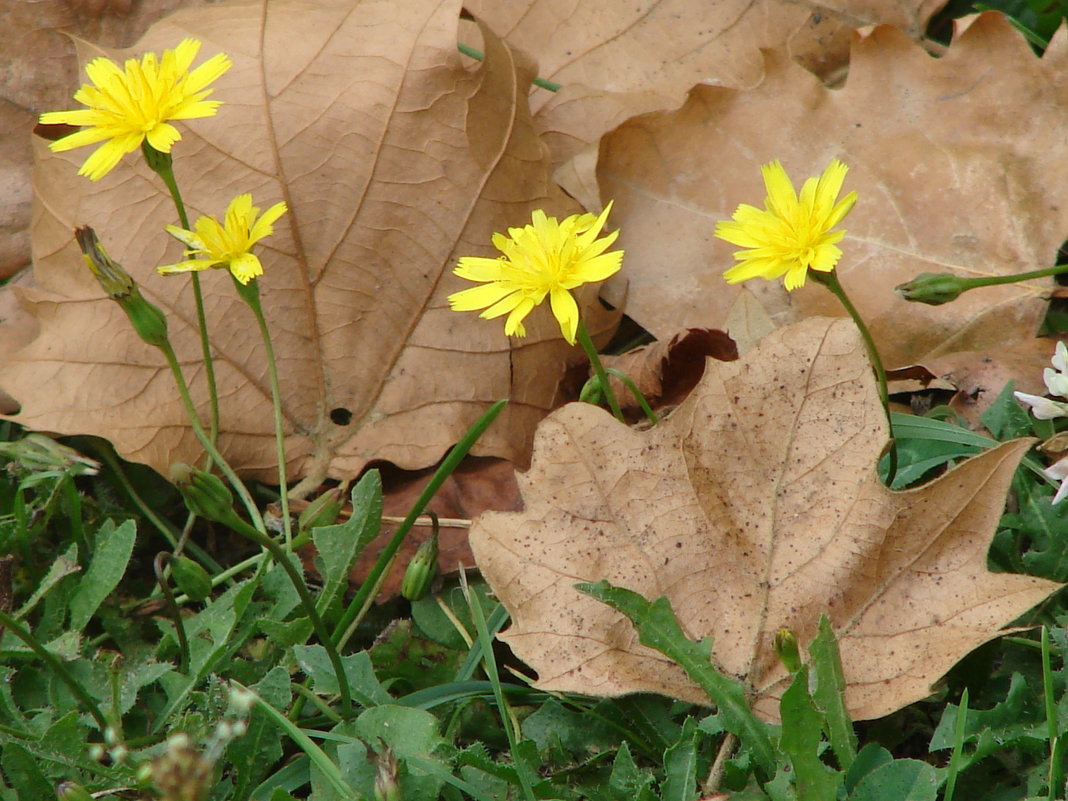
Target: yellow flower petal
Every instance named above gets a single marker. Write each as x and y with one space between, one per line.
228 245
127 105
546 258
792 233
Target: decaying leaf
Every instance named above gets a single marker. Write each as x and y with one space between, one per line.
617 58
951 174
754 507
666 370
394 158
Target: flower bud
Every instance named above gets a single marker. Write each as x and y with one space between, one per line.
421 569
205 495
387 787
786 648
191 578
592 391
72 791
147 319
323 511
934 289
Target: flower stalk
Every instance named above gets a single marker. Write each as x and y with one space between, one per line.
598 369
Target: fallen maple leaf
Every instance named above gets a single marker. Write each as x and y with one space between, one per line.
394 158
754 507
947 181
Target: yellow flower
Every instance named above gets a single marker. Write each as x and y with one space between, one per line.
227 245
546 257
127 106
790 235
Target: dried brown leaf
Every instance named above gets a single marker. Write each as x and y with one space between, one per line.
952 176
665 371
394 158
755 507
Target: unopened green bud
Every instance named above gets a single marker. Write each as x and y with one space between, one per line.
323 511
204 494
786 648
387 786
422 568
592 391
72 791
191 578
934 289
147 319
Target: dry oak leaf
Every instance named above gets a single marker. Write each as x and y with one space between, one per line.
958 161
394 157
617 58
754 507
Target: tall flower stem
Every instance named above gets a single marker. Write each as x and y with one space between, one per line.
583 336
830 280
250 293
163 165
209 446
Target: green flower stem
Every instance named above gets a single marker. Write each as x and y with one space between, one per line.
162 164
830 280
209 446
57 667
478 55
281 556
158 565
598 369
369 587
975 283
250 293
638 396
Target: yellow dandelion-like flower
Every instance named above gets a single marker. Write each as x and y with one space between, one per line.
790 235
228 245
546 258
126 106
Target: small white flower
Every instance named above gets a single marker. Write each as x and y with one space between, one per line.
1058 471
1043 408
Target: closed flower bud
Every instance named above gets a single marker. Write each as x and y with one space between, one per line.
786 648
191 578
934 289
387 786
323 511
72 791
421 569
147 319
204 494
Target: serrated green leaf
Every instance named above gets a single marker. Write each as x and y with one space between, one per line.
253 754
802 735
339 546
658 628
359 671
111 555
828 693
680 766
1005 418
64 565
900 780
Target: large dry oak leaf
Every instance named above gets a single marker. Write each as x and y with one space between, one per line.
395 155
754 507
959 162
618 56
